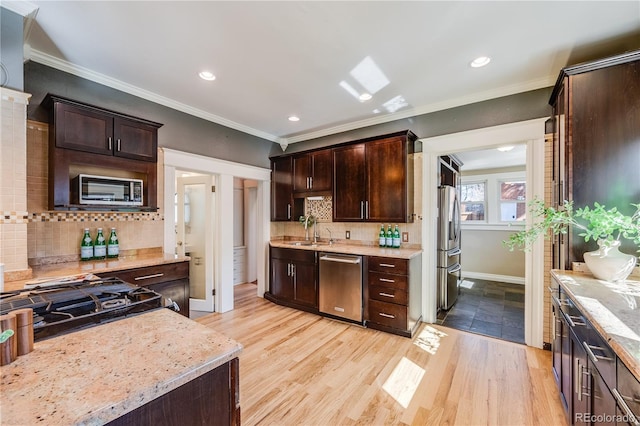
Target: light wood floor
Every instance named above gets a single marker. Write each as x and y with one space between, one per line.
301 369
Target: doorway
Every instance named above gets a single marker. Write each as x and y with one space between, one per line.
492 188
529 132
222 261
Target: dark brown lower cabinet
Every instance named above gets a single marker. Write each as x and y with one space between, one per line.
171 280
595 386
211 399
294 279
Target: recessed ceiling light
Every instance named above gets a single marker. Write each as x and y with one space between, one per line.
480 62
505 148
294 118
207 75
364 97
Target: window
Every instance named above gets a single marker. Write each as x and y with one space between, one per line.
513 206
494 199
472 201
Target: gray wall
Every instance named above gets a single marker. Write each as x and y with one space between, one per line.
494 112
180 131
11 51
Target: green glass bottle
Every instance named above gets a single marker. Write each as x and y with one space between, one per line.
100 246
86 246
389 237
113 248
382 237
396 237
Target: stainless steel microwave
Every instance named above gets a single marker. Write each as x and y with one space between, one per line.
92 189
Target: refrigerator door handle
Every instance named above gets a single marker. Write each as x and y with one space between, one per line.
454 268
454 252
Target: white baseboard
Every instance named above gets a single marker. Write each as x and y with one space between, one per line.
493 277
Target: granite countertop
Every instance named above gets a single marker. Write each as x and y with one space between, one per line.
95 375
613 310
357 249
97 267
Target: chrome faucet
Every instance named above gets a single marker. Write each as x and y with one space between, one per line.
315 232
330 237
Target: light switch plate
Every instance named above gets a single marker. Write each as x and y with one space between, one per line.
347 235
405 237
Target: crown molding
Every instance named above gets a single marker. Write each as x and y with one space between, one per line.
513 89
45 59
51 61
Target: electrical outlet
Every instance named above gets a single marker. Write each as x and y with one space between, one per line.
347 235
405 237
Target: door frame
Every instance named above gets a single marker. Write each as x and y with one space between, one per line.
223 245
530 132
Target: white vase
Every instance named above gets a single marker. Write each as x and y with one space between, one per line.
608 263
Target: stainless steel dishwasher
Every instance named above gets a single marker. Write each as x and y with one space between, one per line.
340 286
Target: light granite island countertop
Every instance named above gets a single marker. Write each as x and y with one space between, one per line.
612 308
98 374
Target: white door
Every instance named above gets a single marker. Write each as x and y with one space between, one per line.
195 236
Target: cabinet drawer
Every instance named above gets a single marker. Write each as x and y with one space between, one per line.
388 265
300 255
604 356
388 280
388 314
153 274
388 294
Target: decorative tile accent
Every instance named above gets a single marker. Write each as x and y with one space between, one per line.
321 209
14 217
55 216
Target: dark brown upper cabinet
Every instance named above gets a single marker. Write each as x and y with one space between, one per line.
312 173
281 189
596 143
372 180
87 139
89 129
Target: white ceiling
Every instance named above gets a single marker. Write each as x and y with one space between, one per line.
275 59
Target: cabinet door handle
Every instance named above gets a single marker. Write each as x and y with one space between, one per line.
293 269
361 209
382 314
146 277
366 210
310 182
110 139
288 269
386 280
387 265
288 211
578 378
387 295
118 144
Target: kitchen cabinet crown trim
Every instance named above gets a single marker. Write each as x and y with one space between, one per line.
50 99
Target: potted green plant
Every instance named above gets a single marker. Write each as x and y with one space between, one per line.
606 226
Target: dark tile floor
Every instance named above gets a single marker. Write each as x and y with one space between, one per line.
488 307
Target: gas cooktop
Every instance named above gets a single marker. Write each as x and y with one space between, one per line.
63 308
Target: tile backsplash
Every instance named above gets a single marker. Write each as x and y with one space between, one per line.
54 236
360 232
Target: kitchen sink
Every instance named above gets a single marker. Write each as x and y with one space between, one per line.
307 243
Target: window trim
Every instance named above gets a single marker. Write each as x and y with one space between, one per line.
484 202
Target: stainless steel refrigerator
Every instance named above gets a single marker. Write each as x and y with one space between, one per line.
448 246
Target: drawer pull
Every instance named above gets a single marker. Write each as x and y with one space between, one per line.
386 280
146 277
387 295
595 358
387 265
574 320
622 404
386 315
